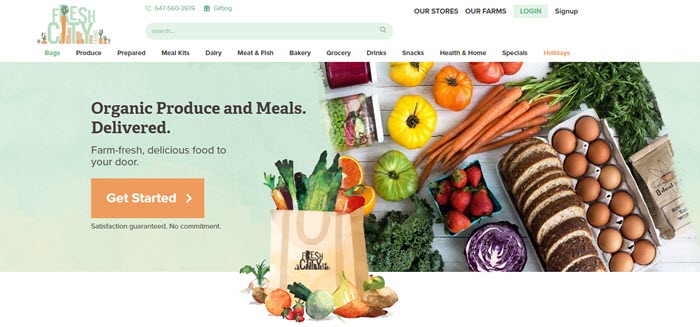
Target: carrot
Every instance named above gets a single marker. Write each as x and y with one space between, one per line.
546 99
537 121
538 110
425 173
471 118
532 131
488 97
490 133
500 106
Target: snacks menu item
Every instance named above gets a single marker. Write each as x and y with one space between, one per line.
653 168
355 121
549 207
614 207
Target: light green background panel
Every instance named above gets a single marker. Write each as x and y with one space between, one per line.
45 142
674 85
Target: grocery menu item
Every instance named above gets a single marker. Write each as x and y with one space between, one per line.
549 208
653 168
342 74
614 207
355 121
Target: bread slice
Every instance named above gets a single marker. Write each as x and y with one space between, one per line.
526 152
570 252
531 194
555 213
536 179
545 198
589 263
565 231
531 166
514 149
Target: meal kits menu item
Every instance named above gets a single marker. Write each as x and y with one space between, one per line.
653 168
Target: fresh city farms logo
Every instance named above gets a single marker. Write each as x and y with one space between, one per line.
311 260
72 25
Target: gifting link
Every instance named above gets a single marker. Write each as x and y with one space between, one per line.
147 198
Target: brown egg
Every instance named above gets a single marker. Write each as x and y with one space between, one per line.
575 165
564 141
644 252
633 227
598 152
588 189
621 203
587 128
610 177
610 240
598 214
621 262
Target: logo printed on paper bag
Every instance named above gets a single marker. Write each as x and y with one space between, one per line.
311 260
72 25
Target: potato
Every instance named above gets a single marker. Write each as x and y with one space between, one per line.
381 298
259 294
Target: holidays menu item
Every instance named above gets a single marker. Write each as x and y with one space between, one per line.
549 207
614 207
653 167
353 121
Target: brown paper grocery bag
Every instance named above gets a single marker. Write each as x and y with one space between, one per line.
314 248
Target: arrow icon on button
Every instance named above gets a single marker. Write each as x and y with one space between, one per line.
189 198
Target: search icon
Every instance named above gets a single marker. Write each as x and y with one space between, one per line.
382 29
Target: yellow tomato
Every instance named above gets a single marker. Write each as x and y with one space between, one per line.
409 73
412 122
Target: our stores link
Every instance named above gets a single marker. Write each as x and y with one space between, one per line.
455 11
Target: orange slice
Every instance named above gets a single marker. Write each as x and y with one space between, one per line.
370 199
352 172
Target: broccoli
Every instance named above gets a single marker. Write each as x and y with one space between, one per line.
402 242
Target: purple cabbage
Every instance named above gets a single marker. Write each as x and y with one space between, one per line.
496 247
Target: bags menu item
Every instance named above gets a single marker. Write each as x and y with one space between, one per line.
355 121
314 248
653 169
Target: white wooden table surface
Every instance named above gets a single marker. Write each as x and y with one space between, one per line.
680 254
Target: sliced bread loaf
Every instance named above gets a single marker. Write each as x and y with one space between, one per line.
545 198
532 166
555 213
517 194
589 263
527 152
569 252
514 149
569 229
529 194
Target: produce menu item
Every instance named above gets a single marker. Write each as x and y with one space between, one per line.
342 74
549 208
353 121
463 198
653 168
614 206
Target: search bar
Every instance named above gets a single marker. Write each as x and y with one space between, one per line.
269 31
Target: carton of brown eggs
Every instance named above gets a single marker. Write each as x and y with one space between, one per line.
622 226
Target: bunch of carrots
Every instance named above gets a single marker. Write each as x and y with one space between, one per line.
500 112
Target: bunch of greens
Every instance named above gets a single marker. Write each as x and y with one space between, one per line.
317 192
336 112
618 91
403 242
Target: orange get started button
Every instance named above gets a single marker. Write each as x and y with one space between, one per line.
147 198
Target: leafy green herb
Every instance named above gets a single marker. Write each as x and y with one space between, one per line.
286 169
403 242
619 92
299 291
323 185
259 271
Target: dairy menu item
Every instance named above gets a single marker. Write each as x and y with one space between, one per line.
653 169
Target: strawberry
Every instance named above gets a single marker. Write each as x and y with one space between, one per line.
458 178
457 221
473 176
481 205
460 199
442 196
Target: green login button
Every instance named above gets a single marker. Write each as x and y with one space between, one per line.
530 11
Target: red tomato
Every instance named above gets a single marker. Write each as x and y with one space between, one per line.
487 72
510 68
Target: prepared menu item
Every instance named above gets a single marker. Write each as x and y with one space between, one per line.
653 168
550 209
342 74
355 121
615 210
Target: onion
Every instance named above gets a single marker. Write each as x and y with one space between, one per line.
496 247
